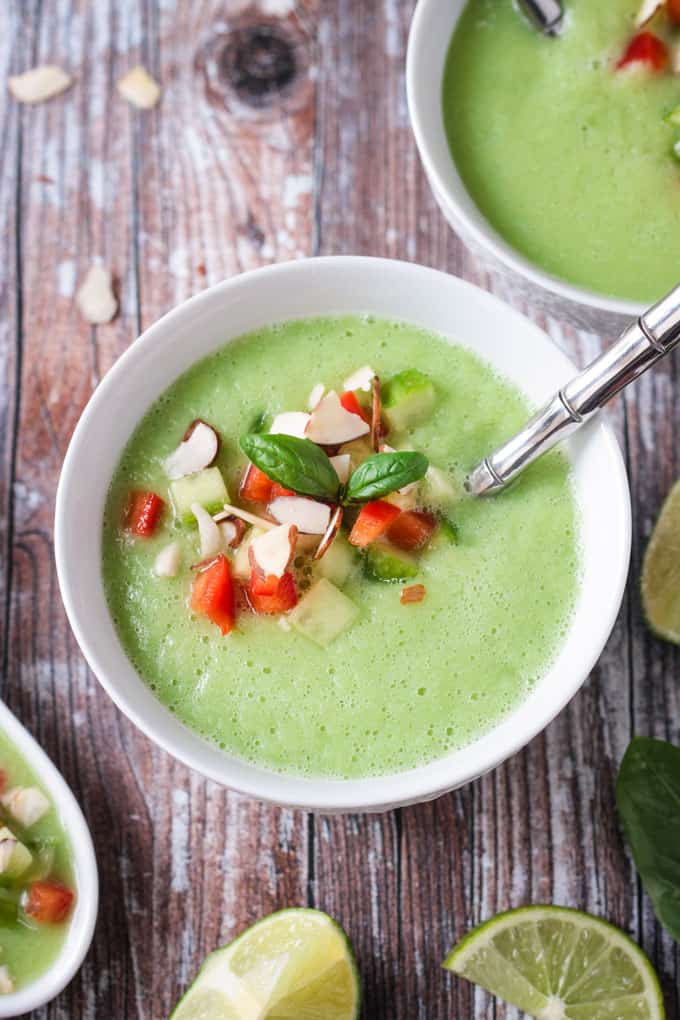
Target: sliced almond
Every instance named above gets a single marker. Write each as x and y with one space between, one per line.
241 563
675 58
330 424
341 464
95 298
362 379
270 554
197 451
647 11
232 530
39 84
414 593
245 515
315 396
168 561
376 415
209 534
139 88
309 517
290 423
331 531
27 804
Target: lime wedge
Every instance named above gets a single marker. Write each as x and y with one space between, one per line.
661 571
292 965
559 964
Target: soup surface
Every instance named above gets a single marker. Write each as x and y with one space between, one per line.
567 157
405 683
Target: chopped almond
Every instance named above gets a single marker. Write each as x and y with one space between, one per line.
309 517
330 424
139 88
95 298
270 554
290 423
315 396
362 379
647 11
413 593
208 532
197 451
39 84
168 561
331 531
232 529
341 465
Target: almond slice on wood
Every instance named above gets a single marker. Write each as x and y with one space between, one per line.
309 517
197 451
270 554
330 424
139 88
315 396
290 423
331 531
168 561
341 464
647 11
95 298
362 379
39 84
209 534
414 593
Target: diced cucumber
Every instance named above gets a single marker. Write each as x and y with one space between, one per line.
15 858
205 487
359 450
385 563
439 490
673 116
408 398
337 562
323 613
448 530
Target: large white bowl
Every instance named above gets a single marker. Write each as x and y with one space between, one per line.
432 300
431 30
81 927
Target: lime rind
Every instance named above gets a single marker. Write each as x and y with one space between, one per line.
295 964
556 963
660 582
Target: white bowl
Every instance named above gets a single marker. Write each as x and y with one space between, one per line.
431 30
81 927
322 286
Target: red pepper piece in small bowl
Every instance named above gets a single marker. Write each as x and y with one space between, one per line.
213 595
645 48
272 595
349 401
373 521
255 486
143 513
412 529
48 901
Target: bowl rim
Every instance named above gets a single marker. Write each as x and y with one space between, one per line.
82 924
477 226
376 793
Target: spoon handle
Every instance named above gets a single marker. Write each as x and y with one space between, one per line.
545 14
640 346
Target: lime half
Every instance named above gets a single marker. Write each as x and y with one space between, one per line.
559 964
292 965
661 571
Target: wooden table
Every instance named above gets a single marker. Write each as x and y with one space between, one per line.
282 132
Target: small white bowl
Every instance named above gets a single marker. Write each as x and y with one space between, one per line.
81 925
437 302
431 29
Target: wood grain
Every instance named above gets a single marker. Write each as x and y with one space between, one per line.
282 132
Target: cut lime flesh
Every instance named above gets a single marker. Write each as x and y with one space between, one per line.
293 965
661 571
555 963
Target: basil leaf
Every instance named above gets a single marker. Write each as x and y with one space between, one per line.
648 799
297 464
384 473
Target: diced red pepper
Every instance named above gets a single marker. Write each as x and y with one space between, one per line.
278 490
48 902
143 513
412 529
3 780
212 594
272 594
673 7
350 403
645 48
255 486
373 520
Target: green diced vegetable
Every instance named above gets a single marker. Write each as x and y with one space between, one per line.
324 613
438 489
673 116
15 858
205 487
448 530
337 562
385 563
408 398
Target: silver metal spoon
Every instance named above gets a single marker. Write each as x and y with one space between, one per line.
640 346
546 15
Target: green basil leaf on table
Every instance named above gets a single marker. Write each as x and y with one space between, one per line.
383 473
648 799
297 464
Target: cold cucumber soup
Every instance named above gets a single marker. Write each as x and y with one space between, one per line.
566 144
36 874
332 604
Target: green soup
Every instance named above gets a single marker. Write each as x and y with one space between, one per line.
405 683
569 159
29 944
